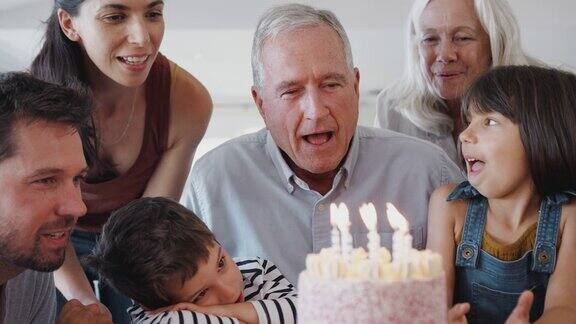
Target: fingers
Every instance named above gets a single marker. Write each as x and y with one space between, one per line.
93 308
176 307
160 310
525 302
184 306
72 306
457 314
104 310
99 310
521 314
74 312
73 303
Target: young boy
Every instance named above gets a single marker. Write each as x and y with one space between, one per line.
164 257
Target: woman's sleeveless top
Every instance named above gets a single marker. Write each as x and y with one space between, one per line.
104 195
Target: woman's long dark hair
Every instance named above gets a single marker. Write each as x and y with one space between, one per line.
60 61
542 102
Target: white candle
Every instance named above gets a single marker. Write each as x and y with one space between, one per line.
407 242
335 233
343 226
401 240
397 246
373 245
370 219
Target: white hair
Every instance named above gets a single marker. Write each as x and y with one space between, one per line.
288 17
414 96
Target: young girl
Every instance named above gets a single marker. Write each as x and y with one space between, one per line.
512 226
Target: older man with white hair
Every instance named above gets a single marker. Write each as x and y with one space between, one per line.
268 193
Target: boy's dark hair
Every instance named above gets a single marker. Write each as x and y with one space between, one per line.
147 243
25 98
542 102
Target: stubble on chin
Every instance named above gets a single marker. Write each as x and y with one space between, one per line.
33 259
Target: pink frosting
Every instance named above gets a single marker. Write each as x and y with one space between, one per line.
371 301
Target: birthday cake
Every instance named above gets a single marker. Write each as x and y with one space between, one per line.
343 285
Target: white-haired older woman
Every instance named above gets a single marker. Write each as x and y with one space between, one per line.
450 43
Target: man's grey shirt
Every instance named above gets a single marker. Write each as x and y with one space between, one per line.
30 297
256 206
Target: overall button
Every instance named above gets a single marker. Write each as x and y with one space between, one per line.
543 257
467 253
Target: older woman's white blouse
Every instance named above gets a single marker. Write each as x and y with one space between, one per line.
388 117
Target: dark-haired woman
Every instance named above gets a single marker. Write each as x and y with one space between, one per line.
148 115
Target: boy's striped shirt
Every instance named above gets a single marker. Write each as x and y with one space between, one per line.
273 298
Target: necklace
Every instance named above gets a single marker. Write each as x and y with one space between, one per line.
126 127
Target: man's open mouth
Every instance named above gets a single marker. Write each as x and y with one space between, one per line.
318 138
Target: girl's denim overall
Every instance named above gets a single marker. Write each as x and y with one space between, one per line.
491 286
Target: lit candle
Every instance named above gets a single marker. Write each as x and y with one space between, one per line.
343 226
370 219
407 243
335 234
401 240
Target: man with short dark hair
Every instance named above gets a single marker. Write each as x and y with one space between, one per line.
41 167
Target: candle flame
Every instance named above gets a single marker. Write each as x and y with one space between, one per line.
369 217
339 216
334 215
344 211
397 221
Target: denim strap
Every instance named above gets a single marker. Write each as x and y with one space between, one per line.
463 190
469 247
544 256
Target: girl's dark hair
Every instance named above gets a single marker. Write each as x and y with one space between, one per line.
60 61
542 102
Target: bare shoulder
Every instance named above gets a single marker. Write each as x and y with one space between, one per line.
190 104
451 213
187 92
568 219
440 195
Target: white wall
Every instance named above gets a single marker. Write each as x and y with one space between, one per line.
212 40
